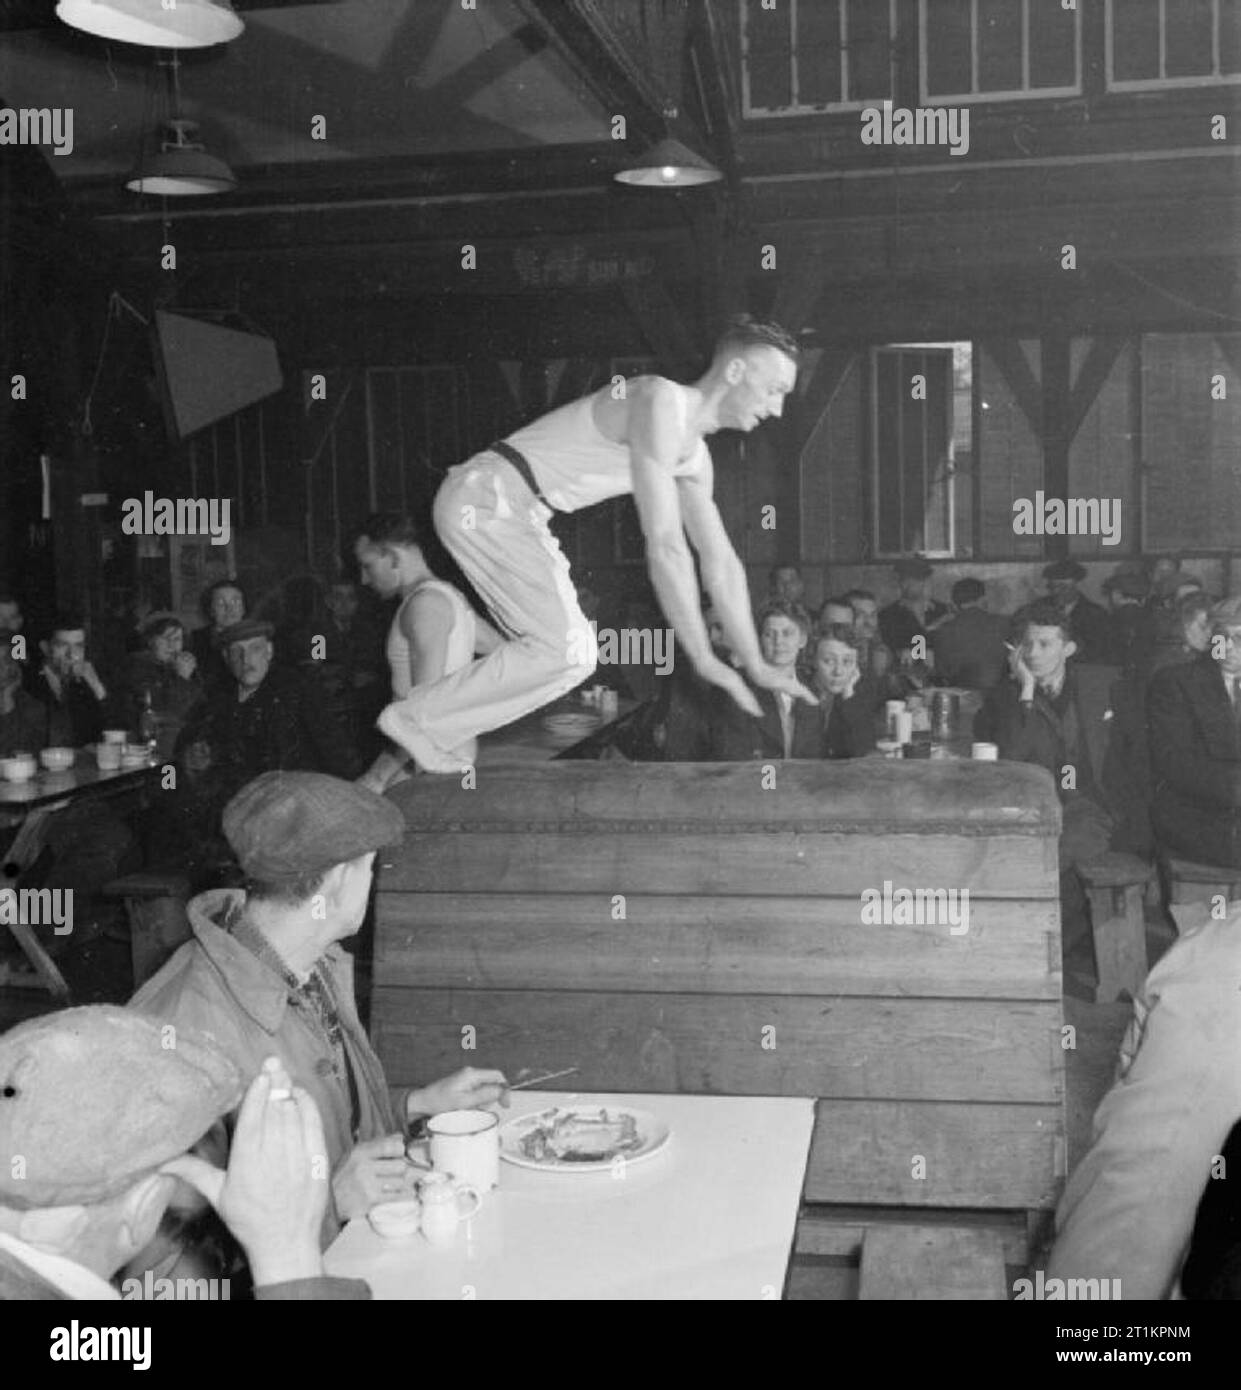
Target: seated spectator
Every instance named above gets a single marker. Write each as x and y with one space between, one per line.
266 974
914 613
1088 623
1036 715
1039 715
1164 573
303 617
1193 711
11 619
1181 631
787 727
267 718
26 724
680 721
168 675
1131 642
1128 1210
68 684
97 1118
785 583
223 604
354 639
971 649
846 712
875 659
834 612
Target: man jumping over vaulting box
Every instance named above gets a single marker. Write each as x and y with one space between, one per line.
491 513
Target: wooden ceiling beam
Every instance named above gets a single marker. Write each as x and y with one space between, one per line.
589 41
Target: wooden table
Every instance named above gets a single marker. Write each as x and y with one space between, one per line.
28 806
711 1216
527 741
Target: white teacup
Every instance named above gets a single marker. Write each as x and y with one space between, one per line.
21 767
396 1220
466 1144
108 756
116 735
985 752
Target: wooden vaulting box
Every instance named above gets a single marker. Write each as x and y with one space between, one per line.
684 928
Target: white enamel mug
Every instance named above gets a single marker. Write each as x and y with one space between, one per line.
466 1145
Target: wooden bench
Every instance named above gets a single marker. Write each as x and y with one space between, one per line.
1188 881
671 928
155 906
932 1262
1115 887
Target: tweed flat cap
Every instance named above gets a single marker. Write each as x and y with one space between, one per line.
243 631
1128 583
916 568
1064 569
91 1099
284 825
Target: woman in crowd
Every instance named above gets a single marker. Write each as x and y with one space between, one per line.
167 674
846 704
223 604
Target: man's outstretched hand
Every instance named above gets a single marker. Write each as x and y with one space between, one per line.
729 679
772 678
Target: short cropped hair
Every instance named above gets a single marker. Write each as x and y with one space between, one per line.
742 332
289 892
212 589
167 622
1041 615
855 594
783 608
1192 607
66 622
839 632
392 529
1226 613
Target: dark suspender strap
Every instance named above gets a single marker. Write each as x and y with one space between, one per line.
522 465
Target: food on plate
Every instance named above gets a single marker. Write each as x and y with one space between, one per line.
576 1136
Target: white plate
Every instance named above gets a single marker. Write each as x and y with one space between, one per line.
652 1131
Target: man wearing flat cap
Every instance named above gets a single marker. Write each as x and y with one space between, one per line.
265 718
1088 622
265 974
915 613
99 1109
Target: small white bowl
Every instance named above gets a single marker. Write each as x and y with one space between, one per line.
135 752
396 1220
57 759
20 768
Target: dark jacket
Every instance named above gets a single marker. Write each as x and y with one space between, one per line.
85 715
32 725
898 625
970 651
172 696
1195 754
1090 626
284 726
832 729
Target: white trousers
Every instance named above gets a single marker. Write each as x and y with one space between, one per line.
496 530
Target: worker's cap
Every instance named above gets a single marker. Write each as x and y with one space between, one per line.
92 1099
1065 569
286 825
243 631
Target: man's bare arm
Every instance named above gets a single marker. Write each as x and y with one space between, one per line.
723 574
426 623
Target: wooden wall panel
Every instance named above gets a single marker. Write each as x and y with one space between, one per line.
741 945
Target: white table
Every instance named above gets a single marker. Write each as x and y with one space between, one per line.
711 1216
